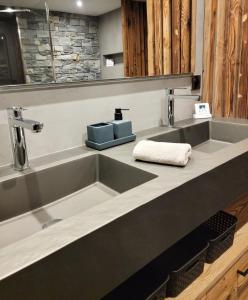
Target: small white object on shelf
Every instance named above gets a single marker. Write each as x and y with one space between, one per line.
202 111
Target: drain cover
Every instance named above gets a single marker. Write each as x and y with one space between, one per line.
50 223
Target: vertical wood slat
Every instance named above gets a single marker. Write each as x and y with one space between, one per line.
151 37
185 35
193 35
124 17
218 95
166 8
176 36
142 48
225 76
242 100
134 38
208 52
231 71
158 37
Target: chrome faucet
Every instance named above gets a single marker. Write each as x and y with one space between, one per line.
170 95
17 136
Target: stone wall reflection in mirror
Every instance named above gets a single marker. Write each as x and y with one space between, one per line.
80 40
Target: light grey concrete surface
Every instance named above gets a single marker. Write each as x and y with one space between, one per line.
66 112
87 255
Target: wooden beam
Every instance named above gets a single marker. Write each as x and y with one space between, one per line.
233 26
176 36
158 37
193 35
151 37
124 16
166 5
220 57
209 50
242 101
185 35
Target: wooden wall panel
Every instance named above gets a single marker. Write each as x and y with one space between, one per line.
193 35
242 99
166 36
225 63
169 36
176 36
134 31
209 49
219 56
185 35
158 37
151 37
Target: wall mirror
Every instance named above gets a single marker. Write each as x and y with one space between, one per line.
56 41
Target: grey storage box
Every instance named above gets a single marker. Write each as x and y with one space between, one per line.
100 133
122 128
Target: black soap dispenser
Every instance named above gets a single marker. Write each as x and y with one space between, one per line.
122 128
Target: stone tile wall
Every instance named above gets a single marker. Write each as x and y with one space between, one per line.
35 47
75 43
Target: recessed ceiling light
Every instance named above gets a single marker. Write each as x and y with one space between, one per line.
79 3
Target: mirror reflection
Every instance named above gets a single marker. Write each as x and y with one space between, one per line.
66 41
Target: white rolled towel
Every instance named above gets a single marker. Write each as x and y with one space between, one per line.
163 153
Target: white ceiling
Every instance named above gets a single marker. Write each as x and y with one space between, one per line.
90 7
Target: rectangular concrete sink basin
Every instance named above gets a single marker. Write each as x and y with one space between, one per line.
208 137
38 200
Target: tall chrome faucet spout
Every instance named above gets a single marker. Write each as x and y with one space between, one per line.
17 135
170 95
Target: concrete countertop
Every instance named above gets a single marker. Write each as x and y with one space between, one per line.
25 252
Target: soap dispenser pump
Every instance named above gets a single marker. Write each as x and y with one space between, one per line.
122 128
118 113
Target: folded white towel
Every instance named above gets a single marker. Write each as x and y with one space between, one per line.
163 153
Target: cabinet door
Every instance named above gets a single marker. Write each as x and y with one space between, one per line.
225 289
242 278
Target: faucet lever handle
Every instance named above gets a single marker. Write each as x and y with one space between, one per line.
15 112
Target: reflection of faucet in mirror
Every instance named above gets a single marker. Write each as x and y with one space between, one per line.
170 96
17 135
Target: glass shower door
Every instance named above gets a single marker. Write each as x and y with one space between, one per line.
5 71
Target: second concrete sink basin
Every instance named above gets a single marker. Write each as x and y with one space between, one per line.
35 201
208 137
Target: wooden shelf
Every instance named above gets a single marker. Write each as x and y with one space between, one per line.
215 272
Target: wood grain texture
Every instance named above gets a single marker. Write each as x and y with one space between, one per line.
185 35
225 288
220 57
242 282
176 36
208 51
225 61
169 36
134 28
240 210
242 99
233 19
151 37
158 37
193 35
166 36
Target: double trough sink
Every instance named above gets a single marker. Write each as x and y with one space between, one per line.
36 201
208 137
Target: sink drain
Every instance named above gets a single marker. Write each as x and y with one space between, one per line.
50 223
